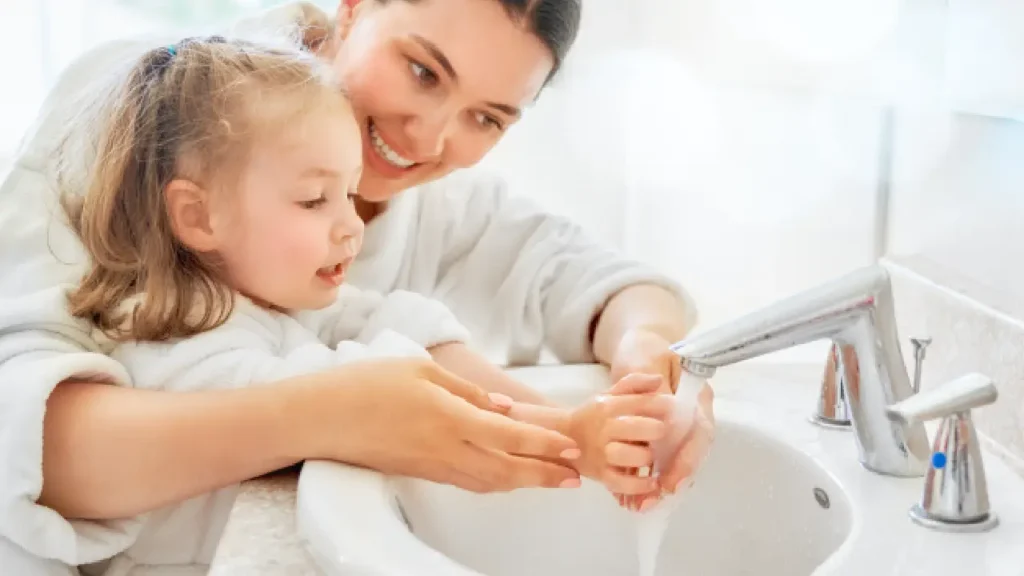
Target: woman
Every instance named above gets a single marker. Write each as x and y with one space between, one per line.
435 84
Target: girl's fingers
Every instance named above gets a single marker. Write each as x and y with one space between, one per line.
637 384
658 406
635 429
629 456
627 484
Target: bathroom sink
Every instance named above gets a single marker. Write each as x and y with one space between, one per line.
777 496
755 495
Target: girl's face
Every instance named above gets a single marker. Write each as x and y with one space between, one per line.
435 84
290 230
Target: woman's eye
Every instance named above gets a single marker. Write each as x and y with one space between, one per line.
313 204
488 121
425 76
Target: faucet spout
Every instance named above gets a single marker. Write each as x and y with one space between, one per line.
857 313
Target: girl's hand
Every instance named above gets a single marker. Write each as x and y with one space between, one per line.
613 431
411 417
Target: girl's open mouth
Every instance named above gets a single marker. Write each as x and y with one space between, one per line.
333 275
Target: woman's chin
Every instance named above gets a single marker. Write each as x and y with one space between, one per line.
376 188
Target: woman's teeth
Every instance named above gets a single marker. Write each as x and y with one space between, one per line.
386 152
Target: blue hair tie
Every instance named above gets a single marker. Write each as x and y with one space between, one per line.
172 50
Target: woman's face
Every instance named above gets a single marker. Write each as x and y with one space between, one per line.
435 84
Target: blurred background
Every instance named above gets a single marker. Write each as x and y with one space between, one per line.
750 148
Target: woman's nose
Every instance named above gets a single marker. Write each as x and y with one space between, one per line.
427 133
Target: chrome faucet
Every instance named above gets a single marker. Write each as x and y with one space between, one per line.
833 411
856 312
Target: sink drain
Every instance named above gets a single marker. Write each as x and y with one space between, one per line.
822 497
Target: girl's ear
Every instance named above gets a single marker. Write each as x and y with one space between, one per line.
347 12
188 208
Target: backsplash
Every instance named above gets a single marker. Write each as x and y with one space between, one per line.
967 336
957 202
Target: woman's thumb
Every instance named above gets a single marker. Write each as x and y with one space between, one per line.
470 392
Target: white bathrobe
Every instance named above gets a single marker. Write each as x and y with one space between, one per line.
511 273
256 346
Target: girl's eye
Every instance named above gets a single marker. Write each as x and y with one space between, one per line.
313 204
425 76
488 121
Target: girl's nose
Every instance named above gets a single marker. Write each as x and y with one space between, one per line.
348 236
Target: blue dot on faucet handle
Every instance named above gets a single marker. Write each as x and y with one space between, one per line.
938 460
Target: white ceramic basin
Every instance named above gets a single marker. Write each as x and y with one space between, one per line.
755 494
756 507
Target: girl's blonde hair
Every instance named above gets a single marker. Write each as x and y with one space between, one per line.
187 111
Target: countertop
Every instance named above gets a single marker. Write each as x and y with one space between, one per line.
260 538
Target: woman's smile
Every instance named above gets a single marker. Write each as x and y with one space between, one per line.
381 156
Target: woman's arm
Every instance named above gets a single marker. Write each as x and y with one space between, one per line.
639 307
534 277
112 452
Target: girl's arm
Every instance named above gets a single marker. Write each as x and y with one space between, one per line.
459 359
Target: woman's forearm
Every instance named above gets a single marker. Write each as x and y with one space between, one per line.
463 361
112 452
643 306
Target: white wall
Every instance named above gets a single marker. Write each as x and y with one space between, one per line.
746 188
736 143
742 154
958 194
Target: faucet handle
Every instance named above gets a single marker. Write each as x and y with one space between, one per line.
955 492
960 395
920 345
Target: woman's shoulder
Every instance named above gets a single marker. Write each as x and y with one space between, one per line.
292 22
90 74
475 194
474 186
74 91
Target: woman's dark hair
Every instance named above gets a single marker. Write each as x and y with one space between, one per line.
554 22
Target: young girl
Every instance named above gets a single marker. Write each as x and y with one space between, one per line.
219 223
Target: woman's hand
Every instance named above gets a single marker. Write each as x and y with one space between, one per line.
412 417
642 351
687 442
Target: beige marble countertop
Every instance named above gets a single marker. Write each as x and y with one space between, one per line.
261 538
